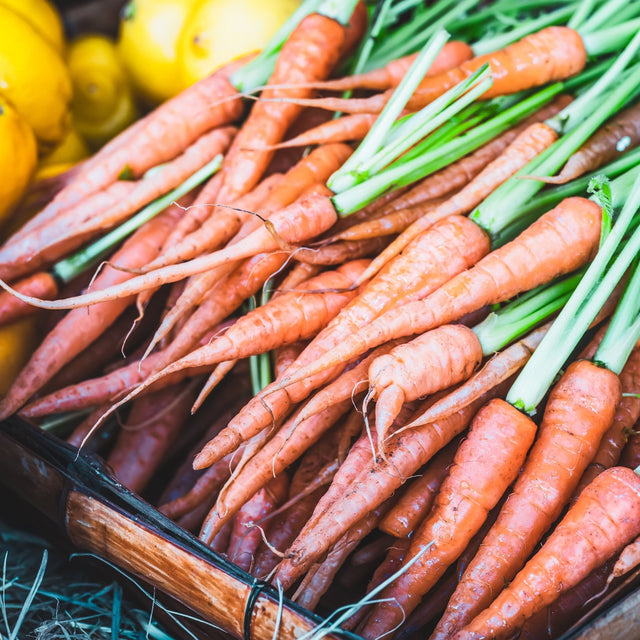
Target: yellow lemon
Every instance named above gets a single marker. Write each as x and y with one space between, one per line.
218 31
43 17
34 78
103 103
72 149
149 31
17 342
18 157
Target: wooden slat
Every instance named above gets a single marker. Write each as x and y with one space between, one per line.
203 587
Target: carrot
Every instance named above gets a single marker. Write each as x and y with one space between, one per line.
415 502
229 295
309 54
344 129
529 144
41 284
370 486
69 227
551 54
628 560
245 534
340 252
285 319
443 252
157 138
558 242
626 415
271 460
152 429
346 385
80 328
319 579
82 435
271 194
631 451
459 510
46 244
216 377
433 361
619 134
604 519
579 411
306 218
498 369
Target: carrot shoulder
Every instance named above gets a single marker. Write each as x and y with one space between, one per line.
604 519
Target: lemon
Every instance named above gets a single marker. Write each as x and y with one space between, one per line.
103 103
149 31
218 31
18 157
43 17
72 149
34 78
17 342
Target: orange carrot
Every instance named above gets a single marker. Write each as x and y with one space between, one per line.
306 218
528 145
152 428
288 524
452 54
560 241
448 248
626 415
309 54
553 53
285 319
619 134
271 460
80 328
415 502
339 252
498 369
475 484
344 129
604 519
245 534
318 580
346 385
70 226
298 273
246 281
580 409
154 139
39 285
372 484
436 360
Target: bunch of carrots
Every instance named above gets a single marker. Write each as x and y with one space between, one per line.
406 318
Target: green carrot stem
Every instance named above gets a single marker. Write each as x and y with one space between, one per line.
494 43
602 15
582 106
401 173
624 328
378 132
578 313
499 209
581 14
515 319
610 40
412 130
67 269
416 32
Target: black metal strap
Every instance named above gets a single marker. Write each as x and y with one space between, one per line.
256 589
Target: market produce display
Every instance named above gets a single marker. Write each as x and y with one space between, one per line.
357 305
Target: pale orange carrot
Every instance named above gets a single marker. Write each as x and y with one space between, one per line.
474 485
